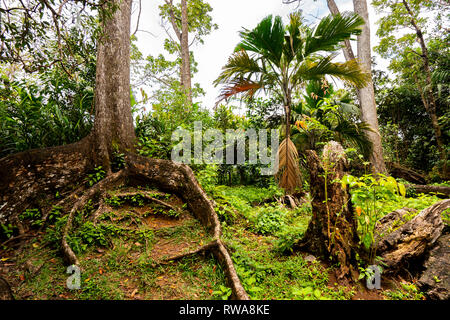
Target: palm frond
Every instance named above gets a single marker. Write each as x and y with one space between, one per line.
266 39
239 65
293 43
355 134
332 30
349 72
288 175
245 87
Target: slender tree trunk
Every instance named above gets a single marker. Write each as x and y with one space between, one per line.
347 49
427 95
185 55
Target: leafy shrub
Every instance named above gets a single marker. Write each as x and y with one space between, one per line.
7 230
96 176
269 220
287 238
33 216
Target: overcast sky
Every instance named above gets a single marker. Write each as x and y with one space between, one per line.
231 16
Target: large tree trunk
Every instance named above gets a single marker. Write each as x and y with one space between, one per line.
366 95
332 231
113 126
38 174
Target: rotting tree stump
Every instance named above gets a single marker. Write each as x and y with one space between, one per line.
332 231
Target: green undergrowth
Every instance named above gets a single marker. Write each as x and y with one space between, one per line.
119 256
124 271
259 231
118 259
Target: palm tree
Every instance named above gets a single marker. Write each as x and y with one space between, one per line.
278 59
326 114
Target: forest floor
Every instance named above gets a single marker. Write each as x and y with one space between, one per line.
126 253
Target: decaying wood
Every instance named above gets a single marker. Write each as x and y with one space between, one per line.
398 171
407 244
331 232
33 174
391 221
441 191
435 280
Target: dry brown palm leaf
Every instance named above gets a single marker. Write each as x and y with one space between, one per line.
288 175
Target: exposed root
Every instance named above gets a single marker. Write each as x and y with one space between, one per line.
147 195
205 248
166 175
70 198
221 253
113 179
179 179
102 208
223 256
20 236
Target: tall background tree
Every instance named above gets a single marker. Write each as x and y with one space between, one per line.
188 16
407 29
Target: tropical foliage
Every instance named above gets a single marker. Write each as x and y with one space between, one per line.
278 59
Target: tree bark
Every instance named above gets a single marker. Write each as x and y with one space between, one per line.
347 49
113 127
332 231
405 246
185 55
183 37
366 95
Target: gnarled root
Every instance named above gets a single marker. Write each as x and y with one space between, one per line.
112 180
179 179
53 169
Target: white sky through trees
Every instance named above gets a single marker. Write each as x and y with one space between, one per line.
231 16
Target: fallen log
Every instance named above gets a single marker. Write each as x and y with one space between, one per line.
441 191
404 247
435 280
398 171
